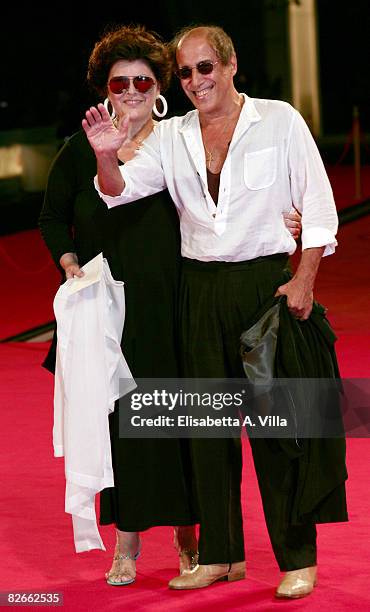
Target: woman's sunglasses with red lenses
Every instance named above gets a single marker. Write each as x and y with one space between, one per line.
204 67
141 83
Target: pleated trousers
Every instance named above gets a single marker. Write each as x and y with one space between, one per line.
219 300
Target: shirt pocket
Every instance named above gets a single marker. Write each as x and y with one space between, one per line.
260 168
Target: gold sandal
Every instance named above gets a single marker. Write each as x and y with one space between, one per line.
122 565
185 542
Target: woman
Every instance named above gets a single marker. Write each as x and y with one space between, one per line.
129 67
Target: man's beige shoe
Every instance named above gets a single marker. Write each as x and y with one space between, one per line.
205 575
297 583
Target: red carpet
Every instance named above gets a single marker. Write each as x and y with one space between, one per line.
30 281
343 286
37 548
342 178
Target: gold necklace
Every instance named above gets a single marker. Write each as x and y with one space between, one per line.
127 151
147 129
210 154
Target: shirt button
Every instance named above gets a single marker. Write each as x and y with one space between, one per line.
214 214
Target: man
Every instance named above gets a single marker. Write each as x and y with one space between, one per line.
232 167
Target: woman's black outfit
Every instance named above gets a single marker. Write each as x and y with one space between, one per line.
141 242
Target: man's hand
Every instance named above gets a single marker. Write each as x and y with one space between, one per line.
104 137
299 290
292 221
69 263
299 298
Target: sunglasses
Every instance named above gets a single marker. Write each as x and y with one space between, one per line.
204 67
122 83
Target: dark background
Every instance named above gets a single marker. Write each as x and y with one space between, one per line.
44 54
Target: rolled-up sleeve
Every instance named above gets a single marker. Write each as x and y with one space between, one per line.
143 175
310 188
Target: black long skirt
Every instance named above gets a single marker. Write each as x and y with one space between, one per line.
153 477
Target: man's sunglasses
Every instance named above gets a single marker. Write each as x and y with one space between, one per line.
141 83
204 67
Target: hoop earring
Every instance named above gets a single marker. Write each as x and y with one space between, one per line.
164 104
106 103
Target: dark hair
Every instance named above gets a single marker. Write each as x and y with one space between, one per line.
216 36
130 43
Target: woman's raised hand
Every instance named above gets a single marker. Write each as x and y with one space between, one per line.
103 135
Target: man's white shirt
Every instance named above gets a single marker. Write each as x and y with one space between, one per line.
272 164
